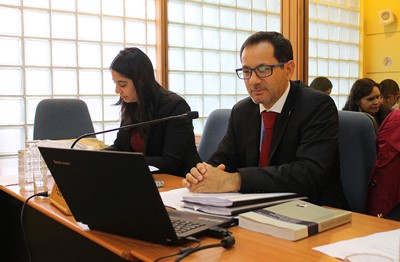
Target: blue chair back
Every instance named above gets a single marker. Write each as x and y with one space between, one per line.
214 130
61 119
357 156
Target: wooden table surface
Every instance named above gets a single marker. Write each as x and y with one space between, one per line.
250 246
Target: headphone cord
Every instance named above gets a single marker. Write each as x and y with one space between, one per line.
193 250
182 250
44 194
227 242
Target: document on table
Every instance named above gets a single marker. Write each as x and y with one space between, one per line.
8 176
65 143
153 168
9 180
221 204
384 243
173 198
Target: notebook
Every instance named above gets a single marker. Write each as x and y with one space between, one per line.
115 192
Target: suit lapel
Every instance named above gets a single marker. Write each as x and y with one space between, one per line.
249 137
283 118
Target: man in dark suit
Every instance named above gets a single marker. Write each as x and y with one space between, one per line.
303 156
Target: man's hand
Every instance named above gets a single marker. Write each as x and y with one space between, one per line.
205 178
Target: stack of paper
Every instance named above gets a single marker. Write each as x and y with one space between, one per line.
84 144
385 244
225 204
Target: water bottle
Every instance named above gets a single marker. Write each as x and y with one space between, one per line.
34 168
25 179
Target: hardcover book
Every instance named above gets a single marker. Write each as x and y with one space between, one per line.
293 220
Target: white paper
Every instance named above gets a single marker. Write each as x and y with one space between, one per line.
63 144
153 168
9 180
83 226
228 199
8 176
384 243
173 198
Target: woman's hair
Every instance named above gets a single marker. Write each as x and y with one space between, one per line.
361 88
132 63
283 51
321 83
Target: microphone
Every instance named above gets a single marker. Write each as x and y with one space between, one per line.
188 115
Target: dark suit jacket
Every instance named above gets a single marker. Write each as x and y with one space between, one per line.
304 156
170 145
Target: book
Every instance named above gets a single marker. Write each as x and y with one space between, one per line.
225 204
234 199
232 210
293 220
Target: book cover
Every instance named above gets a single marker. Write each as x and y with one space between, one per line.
293 220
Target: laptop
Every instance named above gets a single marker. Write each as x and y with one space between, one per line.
115 192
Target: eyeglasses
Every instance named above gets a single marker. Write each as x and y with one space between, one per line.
261 71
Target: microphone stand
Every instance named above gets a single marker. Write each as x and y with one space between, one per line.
188 115
56 197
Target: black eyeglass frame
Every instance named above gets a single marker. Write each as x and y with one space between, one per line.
254 70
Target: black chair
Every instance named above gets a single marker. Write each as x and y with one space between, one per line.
214 130
357 156
61 119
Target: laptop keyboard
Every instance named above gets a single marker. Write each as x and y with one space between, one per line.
182 226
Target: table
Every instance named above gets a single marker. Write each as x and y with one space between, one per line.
52 235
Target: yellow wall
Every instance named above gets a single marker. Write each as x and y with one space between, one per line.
381 41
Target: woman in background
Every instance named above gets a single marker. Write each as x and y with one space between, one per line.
365 96
169 145
390 93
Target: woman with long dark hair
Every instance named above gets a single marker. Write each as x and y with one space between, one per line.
365 96
169 145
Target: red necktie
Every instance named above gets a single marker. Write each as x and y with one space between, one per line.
269 119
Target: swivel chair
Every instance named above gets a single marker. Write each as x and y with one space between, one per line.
61 119
214 130
357 156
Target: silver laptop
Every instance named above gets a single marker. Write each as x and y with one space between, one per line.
115 192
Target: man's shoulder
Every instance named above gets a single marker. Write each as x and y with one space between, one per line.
244 109
245 102
303 88
305 102
310 94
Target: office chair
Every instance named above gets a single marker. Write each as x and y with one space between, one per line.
214 130
374 122
357 156
61 119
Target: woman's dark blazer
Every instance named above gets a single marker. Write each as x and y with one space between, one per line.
170 145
